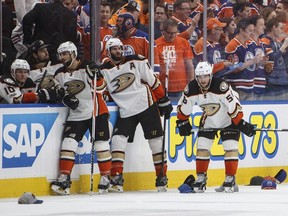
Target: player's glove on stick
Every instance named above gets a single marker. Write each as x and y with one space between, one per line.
93 69
165 107
70 101
246 128
184 127
47 96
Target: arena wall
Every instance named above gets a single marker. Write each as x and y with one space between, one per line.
31 138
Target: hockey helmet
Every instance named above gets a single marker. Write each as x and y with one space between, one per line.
111 43
202 69
125 22
67 46
19 64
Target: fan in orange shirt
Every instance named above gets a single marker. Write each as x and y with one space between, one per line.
176 52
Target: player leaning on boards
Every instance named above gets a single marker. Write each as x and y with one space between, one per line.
78 97
135 90
221 109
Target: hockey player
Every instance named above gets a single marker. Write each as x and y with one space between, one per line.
221 109
17 87
133 87
73 77
42 71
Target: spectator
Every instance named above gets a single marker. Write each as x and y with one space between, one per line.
54 24
134 41
241 10
282 15
141 7
268 13
277 78
239 50
160 16
228 31
214 31
259 75
175 56
8 53
106 30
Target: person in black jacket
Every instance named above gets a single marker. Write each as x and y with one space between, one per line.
54 24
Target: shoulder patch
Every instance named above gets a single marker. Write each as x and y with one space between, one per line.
186 89
9 81
141 57
224 86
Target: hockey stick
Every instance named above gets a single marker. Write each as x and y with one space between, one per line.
44 74
93 131
232 129
164 124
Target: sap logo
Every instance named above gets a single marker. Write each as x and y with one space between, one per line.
23 137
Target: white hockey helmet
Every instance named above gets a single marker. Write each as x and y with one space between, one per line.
204 68
67 46
111 43
19 64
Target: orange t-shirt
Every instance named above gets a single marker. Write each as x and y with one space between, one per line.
179 50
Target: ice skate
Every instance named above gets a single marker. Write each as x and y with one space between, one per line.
200 184
161 183
62 185
229 185
104 185
116 183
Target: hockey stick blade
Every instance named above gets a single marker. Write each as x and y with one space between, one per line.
227 129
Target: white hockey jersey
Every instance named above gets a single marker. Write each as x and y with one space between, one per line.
76 83
132 84
10 92
220 104
48 81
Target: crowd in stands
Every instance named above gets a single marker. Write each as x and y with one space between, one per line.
246 40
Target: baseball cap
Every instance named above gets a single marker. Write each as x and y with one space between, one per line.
133 5
268 185
38 44
213 22
29 198
256 180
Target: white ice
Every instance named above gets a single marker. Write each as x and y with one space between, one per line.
249 201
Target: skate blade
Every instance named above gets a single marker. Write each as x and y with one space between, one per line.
199 190
58 190
220 189
162 188
102 191
116 188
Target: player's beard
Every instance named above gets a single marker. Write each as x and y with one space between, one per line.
116 57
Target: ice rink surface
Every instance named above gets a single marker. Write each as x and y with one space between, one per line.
249 201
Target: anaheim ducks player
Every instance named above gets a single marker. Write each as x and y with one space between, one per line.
17 87
78 97
137 104
221 109
42 71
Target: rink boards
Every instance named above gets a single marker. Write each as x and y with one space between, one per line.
31 139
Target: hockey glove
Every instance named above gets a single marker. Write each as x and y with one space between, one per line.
165 107
47 96
246 128
93 69
70 101
184 127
